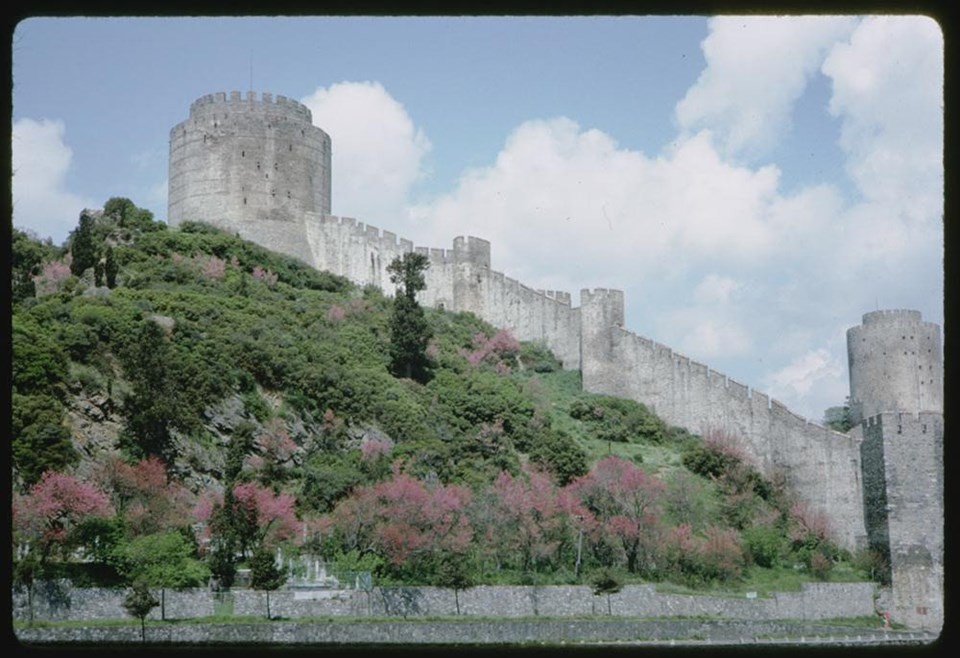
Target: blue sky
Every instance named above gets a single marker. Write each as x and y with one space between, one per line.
754 185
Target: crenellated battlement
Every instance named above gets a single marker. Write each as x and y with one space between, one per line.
697 386
886 315
236 100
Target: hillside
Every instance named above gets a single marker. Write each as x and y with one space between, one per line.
187 395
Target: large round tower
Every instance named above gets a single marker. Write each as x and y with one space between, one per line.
895 364
239 160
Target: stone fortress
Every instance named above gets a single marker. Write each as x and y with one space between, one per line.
258 167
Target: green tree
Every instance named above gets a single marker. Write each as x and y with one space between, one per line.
607 581
264 574
453 572
111 268
138 603
164 560
39 364
409 330
40 441
26 261
838 418
559 453
26 571
129 217
228 525
158 403
83 246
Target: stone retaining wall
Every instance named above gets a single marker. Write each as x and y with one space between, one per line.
60 601
465 632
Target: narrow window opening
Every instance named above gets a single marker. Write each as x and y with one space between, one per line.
899 429
288 194
274 166
258 165
923 428
289 147
244 200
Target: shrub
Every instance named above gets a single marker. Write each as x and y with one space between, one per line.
820 565
536 357
765 545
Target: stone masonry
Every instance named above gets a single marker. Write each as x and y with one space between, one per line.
259 168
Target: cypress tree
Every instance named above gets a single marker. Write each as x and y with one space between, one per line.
409 331
83 246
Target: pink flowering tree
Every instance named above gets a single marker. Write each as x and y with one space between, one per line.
275 452
268 277
528 521
50 514
52 277
144 495
250 517
717 554
500 350
336 313
810 539
626 502
212 267
405 521
268 518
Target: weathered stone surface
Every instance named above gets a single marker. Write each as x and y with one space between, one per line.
60 601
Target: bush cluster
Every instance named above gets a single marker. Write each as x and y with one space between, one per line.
332 437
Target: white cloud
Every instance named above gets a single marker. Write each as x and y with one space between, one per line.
715 289
709 336
560 199
815 375
41 160
888 92
757 67
378 152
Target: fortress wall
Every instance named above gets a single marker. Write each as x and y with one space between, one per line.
601 345
903 494
822 466
361 253
534 315
458 279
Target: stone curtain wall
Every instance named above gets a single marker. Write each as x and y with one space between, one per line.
822 467
815 601
459 279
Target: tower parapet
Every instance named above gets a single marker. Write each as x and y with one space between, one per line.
896 364
211 103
